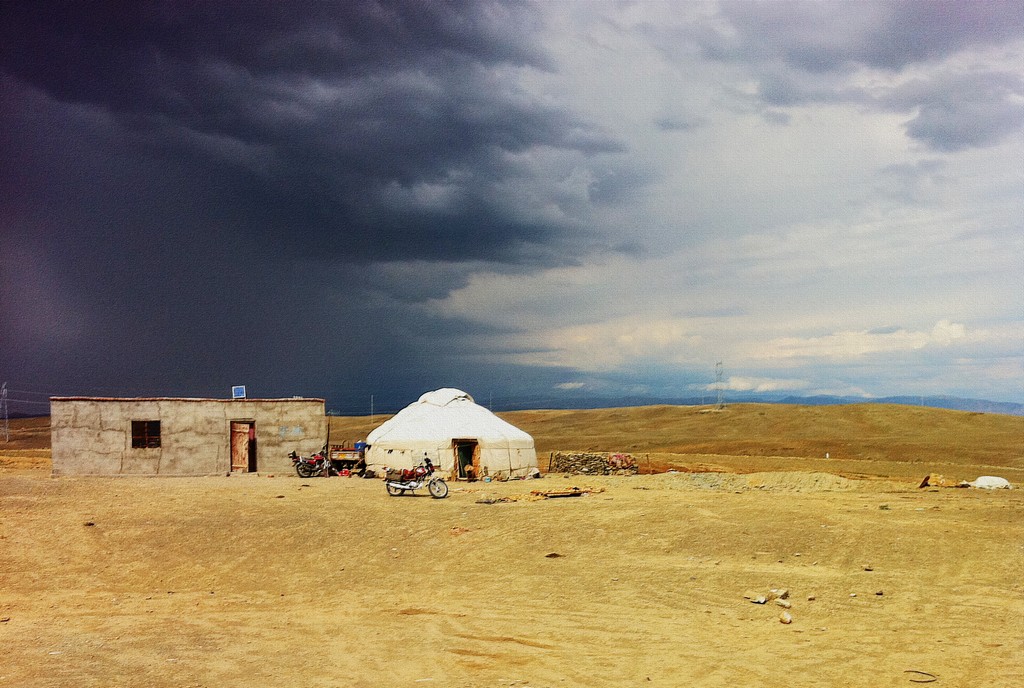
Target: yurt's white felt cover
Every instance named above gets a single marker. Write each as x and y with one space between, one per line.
430 427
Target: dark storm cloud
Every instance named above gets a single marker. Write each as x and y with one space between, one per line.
200 194
803 53
958 111
319 128
834 36
137 55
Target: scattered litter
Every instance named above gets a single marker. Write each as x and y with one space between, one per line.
984 482
778 594
509 498
89 524
571 492
925 677
991 482
936 480
786 618
537 495
785 604
755 597
868 568
553 555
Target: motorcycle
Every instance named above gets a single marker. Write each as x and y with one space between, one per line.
319 465
310 466
399 481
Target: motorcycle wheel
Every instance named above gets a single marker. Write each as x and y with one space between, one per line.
304 469
438 488
394 491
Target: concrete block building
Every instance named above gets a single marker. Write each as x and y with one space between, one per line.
173 436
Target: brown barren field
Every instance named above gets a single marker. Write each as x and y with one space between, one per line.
259 580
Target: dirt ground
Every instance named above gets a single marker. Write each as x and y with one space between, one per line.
261 580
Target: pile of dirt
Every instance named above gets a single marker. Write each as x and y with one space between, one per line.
786 481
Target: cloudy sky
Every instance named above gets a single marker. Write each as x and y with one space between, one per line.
520 199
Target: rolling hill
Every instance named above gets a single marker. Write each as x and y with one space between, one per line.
864 439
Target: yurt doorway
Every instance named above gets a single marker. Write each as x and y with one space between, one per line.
467 459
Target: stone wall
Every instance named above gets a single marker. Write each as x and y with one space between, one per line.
593 463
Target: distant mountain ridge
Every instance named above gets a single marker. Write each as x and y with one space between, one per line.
570 402
593 402
952 403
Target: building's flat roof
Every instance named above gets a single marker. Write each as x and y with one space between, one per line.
226 401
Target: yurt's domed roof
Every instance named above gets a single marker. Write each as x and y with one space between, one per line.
445 414
444 396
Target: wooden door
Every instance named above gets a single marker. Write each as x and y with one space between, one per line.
241 435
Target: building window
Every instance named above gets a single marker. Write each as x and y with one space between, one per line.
145 434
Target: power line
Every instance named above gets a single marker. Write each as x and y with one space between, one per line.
27 391
3 410
720 384
27 401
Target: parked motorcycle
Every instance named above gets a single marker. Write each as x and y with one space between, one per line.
320 465
309 466
399 481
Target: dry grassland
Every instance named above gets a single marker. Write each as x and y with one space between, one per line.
257 580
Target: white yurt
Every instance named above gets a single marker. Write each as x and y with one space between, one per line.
459 436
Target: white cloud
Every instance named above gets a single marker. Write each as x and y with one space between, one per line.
788 243
762 384
570 386
613 345
848 345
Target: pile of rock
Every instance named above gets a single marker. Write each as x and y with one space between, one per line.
593 463
781 599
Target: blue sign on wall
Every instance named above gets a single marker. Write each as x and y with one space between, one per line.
238 392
